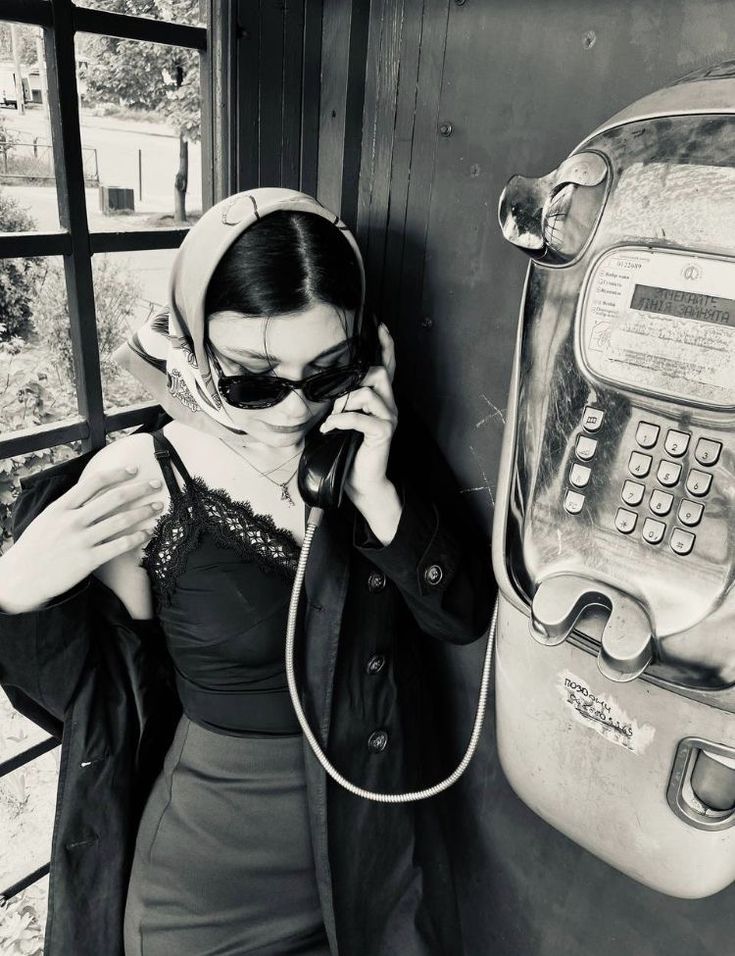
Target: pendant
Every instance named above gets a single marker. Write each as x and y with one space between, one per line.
286 494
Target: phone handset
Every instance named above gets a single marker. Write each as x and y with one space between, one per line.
327 458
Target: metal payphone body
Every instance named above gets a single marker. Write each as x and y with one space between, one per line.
614 537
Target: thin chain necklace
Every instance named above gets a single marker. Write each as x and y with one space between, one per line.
283 485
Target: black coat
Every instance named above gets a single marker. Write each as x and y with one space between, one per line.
374 625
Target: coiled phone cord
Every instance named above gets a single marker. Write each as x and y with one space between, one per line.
315 515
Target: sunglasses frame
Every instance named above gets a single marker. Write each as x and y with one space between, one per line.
360 365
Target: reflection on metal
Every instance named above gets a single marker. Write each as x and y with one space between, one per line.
681 795
626 644
552 217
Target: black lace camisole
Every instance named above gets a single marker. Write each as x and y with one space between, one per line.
221 576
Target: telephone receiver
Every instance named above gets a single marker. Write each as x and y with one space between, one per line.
327 458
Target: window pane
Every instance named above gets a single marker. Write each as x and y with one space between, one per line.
141 121
27 799
27 177
36 364
191 12
129 287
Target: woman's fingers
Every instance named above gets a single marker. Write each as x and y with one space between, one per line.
370 425
388 349
113 500
366 399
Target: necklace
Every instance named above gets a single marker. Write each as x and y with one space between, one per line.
283 485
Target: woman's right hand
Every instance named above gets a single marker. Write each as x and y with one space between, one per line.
94 521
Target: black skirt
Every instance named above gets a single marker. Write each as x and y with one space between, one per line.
223 859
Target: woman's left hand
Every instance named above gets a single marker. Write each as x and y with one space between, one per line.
370 409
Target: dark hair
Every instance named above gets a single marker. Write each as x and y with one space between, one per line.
285 262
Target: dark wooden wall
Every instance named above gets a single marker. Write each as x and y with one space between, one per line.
413 114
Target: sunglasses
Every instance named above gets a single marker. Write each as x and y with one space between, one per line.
255 390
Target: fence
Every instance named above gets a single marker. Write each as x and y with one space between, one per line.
33 162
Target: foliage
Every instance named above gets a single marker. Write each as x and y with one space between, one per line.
20 930
116 292
149 76
37 381
26 46
18 277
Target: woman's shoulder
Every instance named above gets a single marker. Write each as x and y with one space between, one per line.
123 574
136 449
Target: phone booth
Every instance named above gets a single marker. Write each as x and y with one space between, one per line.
613 541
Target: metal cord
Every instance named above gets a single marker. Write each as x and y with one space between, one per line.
312 524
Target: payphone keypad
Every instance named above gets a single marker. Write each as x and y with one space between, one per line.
661 502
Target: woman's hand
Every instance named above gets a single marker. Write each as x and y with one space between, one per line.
80 530
371 409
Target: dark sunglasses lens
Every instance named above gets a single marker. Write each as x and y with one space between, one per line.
333 383
254 392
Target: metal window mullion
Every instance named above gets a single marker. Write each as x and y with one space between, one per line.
22 884
128 27
67 146
31 753
35 12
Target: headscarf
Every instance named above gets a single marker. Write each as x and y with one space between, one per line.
167 353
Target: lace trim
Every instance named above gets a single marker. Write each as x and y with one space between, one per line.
233 524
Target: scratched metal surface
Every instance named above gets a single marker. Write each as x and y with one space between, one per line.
514 85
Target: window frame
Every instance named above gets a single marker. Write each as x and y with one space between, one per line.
61 20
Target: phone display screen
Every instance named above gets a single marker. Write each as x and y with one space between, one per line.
684 305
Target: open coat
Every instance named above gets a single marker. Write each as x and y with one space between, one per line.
374 624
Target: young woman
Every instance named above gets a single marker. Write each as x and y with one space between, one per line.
241 844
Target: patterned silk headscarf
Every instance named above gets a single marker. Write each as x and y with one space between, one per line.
167 354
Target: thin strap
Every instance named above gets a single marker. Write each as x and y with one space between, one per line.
165 453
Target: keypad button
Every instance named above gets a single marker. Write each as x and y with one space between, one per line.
681 542
586 447
653 531
647 434
632 493
639 464
579 475
592 419
573 502
698 482
668 472
690 512
676 442
707 451
625 520
661 502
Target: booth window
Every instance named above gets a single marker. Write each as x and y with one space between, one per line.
112 143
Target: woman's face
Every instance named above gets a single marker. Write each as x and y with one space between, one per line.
292 345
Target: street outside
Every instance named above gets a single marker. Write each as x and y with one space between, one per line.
117 143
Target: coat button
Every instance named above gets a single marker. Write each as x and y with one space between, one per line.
377 741
433 574
375 581
375 664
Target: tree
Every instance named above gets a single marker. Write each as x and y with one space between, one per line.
152 77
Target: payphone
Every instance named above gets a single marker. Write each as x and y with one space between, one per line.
614 537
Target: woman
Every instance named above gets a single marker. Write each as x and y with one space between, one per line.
241 846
